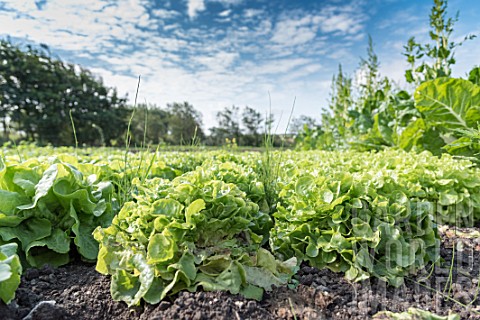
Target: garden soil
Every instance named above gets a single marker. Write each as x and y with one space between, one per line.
77 291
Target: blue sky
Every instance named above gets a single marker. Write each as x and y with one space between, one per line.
216 53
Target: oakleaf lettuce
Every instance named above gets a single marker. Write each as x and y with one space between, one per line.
194 231
361 215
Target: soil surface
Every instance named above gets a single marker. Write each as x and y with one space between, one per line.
77 291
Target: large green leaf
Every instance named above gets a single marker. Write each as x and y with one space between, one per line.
30 230
412 134
51 250
43 187
449 103
132 287
9 201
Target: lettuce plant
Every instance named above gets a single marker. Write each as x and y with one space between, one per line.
346 224
44 206
194 231
366 214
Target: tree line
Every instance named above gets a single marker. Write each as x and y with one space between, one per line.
48 101
41 96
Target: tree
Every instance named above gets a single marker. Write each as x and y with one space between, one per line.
269 123
252 122
184 124
298 124
39 93
149 123
228 126
100 116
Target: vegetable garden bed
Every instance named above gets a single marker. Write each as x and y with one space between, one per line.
80 292
337 235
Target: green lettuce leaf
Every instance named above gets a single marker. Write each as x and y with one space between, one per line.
10 271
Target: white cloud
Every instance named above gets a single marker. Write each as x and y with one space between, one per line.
302 72
229 2
75 26
250 13
298 28
165 14
219 62
339 22
293 32
347 19
195 6
277 66
225 13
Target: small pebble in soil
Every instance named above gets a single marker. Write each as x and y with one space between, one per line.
31 274
251 305
463 297
363 305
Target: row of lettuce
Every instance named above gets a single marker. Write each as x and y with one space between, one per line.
162 223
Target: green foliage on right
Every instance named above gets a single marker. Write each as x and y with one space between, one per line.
371 214
449 105
441 116
437 57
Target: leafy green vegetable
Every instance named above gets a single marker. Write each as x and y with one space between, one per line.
449 103
10 271
194 231
451 111
371 213
201 220
44 205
